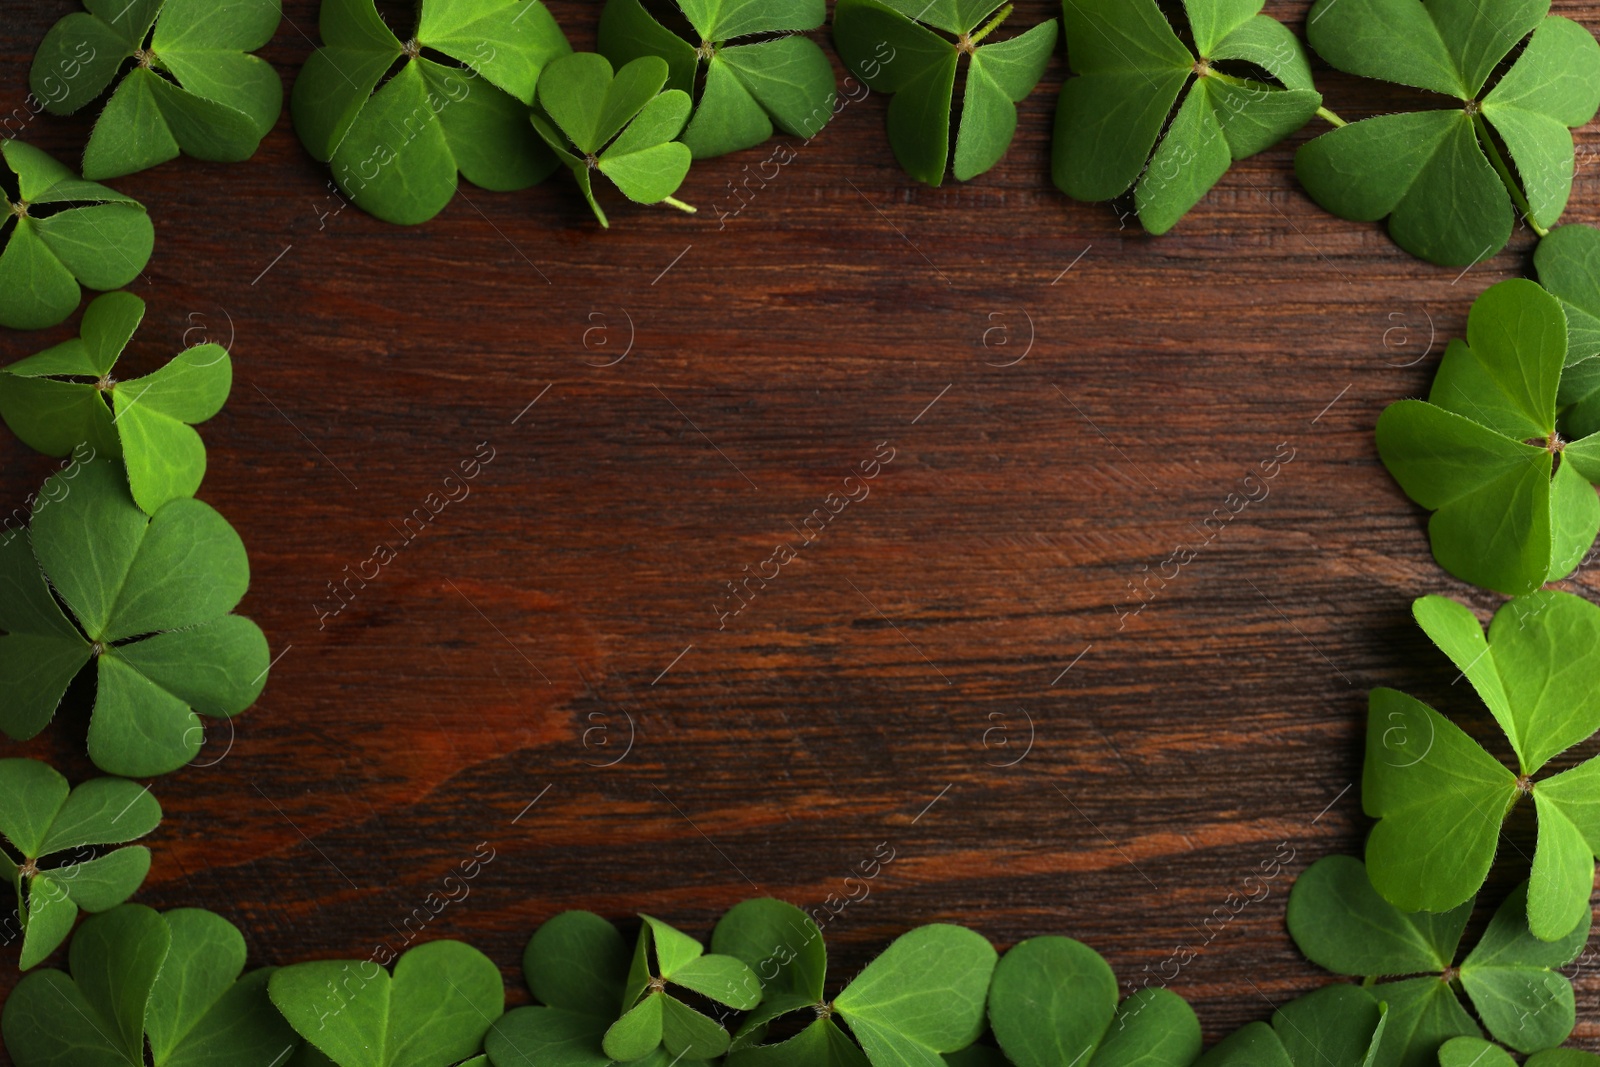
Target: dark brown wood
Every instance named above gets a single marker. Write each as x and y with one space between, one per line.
474 691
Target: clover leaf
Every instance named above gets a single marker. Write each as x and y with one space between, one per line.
653 1018
617 123
748 86
193 87
1341 922
171 981
920 68
1338 1026
149 598
1513 503
432 1012
1131 70
1053 1001
65 397
60 231
576 965
41 819
1440 176
1440 798
396 142
925 995
1568 262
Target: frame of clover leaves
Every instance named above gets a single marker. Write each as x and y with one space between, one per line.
124 573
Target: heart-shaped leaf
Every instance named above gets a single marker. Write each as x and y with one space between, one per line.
66 396
60 231
893 49
925 995
1336 1026
432 1012
150 597
1050 1002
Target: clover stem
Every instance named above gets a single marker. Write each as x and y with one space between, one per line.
1330 118
1492 150
989 27
680 205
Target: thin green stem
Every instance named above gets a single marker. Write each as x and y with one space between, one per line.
1228 79
1330 118
1492 150
999 17
680 205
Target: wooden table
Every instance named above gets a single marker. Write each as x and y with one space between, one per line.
951 667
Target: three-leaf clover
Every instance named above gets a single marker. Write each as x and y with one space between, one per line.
1440 176
920 68
1131 68
1337 1026
748 86
171 981
1568 262
149 598
1440 798
396 148
432 1012
653 1018
925 995
60 231
65 397
193 87
616 123
1513 502
1510 977
42 818
1053 1001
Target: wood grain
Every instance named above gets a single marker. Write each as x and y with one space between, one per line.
874 691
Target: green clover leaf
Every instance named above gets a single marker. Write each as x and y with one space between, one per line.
1440 176
1131 69
924 996
149 597
1341 922
42 818
1053 1001
1513 503
654 1018
193 87
397 143
920 67
1568 262
1440 798
65 397
748 86
433 1011
61 231
617 123
576 965
1337 1026
171 980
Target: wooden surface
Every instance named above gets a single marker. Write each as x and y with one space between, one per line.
1065 400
